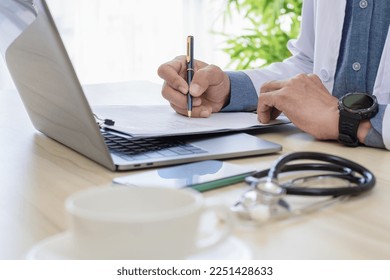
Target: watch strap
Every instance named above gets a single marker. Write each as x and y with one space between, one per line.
348 127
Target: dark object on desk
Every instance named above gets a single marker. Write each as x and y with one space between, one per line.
335 178
355 179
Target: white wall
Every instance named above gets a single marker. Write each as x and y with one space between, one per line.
117 40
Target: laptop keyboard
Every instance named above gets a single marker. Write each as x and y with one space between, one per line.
153 148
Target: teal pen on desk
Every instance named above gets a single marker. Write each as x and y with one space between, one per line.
219 183
190 71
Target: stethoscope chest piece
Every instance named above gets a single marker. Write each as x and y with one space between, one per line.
334 179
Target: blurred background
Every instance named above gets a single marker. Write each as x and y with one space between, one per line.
120 40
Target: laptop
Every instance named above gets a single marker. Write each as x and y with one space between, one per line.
54 99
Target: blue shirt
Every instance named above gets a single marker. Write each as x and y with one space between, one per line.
364 34
365 29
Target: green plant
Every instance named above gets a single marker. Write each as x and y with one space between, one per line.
270 24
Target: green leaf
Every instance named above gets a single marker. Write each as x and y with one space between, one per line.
264 41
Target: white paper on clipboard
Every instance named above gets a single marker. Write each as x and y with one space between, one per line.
161 120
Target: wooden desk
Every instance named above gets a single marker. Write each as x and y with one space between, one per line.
37 174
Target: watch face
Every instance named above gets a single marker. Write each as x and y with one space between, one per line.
358 101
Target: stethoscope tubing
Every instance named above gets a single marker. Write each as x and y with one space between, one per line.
341 167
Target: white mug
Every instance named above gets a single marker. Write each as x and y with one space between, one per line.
142 223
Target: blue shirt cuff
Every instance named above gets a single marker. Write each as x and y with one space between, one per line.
243 96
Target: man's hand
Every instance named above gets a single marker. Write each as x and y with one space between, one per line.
305 101
210 87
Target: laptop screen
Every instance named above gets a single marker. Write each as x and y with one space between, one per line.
45 79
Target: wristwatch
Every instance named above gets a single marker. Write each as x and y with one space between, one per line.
354 107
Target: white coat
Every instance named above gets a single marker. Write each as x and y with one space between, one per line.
316 51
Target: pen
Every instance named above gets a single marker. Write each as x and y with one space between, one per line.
219 183
190 71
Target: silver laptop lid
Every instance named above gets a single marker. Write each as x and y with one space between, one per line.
45 78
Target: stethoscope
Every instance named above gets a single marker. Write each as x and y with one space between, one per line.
336 179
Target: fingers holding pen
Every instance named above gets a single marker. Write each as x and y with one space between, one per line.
212 86
209 88
174 73
204 78
200 111
178 100
175 86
